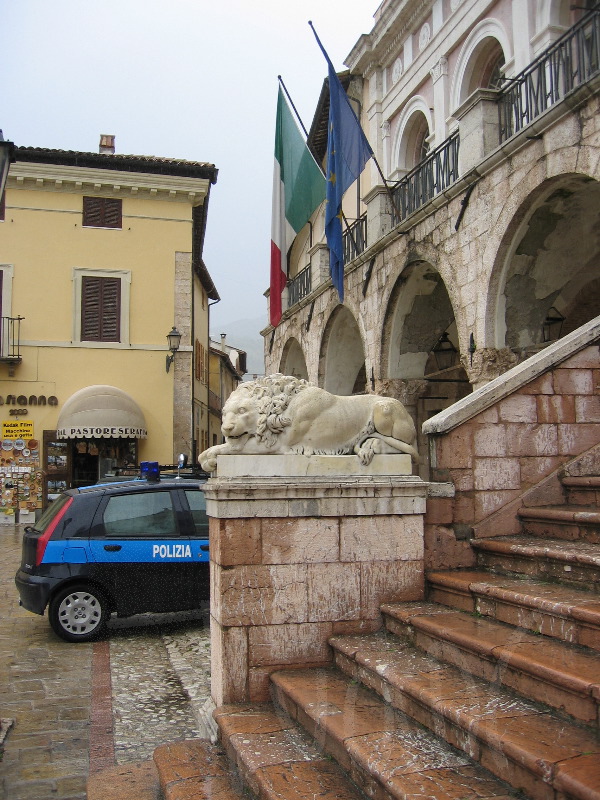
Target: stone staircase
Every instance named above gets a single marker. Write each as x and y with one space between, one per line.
489 689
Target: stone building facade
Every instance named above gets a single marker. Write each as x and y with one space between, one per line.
482 247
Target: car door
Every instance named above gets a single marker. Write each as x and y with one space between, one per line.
194 503
144 553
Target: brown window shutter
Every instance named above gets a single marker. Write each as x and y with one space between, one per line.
100 309
102 212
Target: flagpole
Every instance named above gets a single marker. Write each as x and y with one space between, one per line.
385 183
299 118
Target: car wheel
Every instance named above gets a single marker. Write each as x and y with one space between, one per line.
78 613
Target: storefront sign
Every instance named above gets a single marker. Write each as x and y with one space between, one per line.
17 430
116 432
22 402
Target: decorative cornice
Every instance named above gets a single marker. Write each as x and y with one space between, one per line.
94 181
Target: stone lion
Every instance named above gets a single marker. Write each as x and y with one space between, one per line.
281 414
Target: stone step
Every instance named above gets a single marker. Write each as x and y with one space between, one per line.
135 781
276 759
195 768
560 675
388 755
523 743
561 612
562 522
584 491
568 562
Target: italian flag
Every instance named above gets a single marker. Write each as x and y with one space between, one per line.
298 188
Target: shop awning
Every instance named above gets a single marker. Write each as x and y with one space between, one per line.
101 412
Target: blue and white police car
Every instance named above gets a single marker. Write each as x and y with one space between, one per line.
125 548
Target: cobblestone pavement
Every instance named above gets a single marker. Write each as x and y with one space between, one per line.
157 678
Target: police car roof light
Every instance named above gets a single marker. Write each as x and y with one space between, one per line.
149 471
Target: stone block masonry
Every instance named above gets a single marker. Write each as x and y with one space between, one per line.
295 560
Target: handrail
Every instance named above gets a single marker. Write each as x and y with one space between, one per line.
568 63
433 175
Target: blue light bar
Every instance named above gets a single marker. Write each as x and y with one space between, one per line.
149 471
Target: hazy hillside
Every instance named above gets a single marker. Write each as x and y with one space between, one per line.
245 335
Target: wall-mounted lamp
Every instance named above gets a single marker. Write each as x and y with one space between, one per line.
7 156
552 327
444 352
173 339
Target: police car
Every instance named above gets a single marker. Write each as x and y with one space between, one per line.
125 548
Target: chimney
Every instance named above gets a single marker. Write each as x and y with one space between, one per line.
223 337
107 144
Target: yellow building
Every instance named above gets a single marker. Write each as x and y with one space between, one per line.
100 259
227 367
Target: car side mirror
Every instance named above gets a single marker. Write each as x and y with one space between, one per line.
182 461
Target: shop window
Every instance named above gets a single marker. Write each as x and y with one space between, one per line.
100 309
102 212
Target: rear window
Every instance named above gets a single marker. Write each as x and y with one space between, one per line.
51 512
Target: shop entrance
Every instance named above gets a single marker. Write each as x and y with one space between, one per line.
72 463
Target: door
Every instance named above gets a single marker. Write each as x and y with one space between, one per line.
143 553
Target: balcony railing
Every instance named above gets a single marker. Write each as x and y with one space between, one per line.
10 340
354 239
430 177
299 287
567 64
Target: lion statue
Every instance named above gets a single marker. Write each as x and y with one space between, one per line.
281 414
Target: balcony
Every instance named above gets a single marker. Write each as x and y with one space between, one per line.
299 287
430 177
354 239
214 402
10 340
566 65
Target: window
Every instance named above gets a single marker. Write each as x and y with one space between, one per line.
201 363
100 309
197 503
148 514
102 212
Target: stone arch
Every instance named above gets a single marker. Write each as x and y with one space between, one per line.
548 258
414 127
292 360
418 313
342 358
476 59
555 14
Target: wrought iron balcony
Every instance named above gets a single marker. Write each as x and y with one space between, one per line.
299 287
430 177
567 64
10 340
354 239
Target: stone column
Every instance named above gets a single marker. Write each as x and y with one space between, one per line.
488 363
479 128
304 553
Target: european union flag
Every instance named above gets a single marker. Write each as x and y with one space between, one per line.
347 153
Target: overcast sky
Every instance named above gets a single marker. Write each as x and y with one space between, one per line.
189 79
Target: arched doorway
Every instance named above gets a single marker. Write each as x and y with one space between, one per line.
551 280
293 361
342 362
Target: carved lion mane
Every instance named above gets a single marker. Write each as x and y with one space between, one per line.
272 394
281 414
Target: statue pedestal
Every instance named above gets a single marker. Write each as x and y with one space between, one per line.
297 558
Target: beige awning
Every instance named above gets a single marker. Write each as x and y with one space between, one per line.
101 412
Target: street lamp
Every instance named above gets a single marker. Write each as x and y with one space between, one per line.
444 353
173 339
7 156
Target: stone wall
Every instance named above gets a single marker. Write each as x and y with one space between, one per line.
296 560
510 453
